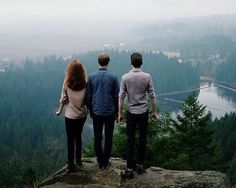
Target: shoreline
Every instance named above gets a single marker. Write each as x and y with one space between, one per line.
230 85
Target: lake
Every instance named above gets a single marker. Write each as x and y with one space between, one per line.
218 99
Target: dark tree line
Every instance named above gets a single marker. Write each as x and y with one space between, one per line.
227 71
225 132
167 73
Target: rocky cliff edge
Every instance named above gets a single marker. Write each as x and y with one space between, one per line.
90 176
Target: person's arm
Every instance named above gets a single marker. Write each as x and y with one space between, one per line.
152 97
154 108
63 100
121 104
122 96
61 106
89 94
116 96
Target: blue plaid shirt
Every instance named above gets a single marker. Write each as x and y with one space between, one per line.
102 93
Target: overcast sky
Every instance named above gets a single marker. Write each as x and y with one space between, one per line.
116 8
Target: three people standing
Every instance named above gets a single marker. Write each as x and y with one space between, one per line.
102 93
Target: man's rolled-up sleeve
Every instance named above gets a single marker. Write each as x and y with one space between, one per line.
123 89
150 89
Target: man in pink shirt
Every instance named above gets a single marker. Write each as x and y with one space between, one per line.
135 85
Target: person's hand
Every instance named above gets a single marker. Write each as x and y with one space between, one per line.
121 121
116 117
58 112
120 118
154 116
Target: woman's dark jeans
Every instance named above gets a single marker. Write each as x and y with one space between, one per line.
74 128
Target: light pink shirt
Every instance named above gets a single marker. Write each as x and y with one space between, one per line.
135 85
75 107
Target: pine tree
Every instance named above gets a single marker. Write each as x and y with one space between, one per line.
195 138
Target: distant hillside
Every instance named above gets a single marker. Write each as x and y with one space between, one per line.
194 37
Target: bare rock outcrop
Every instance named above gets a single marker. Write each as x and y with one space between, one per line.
90 176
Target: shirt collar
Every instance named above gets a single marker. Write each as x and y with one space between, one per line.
102 68
135 70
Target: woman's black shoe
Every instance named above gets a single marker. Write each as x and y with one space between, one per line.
71 168
79 166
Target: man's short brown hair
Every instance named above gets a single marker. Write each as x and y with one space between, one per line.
103 59
136 60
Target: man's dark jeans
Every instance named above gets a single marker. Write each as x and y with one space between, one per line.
134 120
98 123
74 128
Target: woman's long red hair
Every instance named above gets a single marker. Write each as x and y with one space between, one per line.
75 76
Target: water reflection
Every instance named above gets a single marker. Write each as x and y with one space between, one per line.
229 95
217 99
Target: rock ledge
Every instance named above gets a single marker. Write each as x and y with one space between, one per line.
93 177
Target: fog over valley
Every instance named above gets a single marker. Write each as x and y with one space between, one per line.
38 28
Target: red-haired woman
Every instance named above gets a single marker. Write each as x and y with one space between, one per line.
73 98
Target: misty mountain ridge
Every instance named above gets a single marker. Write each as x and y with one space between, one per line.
36 38
201 36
